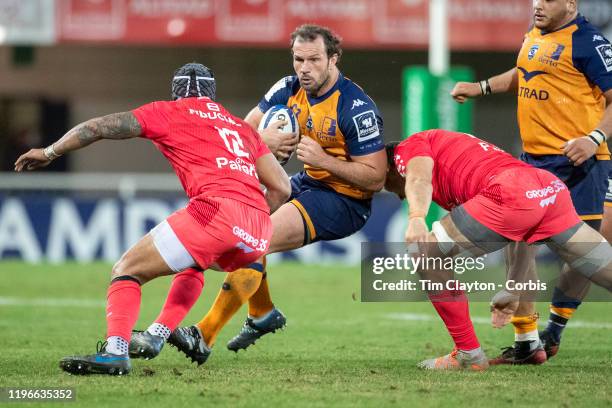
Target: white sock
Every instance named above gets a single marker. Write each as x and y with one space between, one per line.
158 329
529 336
474 352
117 345
262 318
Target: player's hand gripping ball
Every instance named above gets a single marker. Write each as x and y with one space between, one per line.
279 130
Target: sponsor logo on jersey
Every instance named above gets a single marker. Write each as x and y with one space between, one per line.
357 103
530 93
557 51
598 37
400 165
366 125
533 51
605 52
529 75
328 130
296 110
548 195
214 116
550 54
548 201
253 243
237 165
309 124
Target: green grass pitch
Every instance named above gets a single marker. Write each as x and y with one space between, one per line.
335 351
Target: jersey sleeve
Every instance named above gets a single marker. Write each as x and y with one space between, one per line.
592 55
360 123
154 119
417 145
279 94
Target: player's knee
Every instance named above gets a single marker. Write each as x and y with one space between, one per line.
444 243
591 263
122 268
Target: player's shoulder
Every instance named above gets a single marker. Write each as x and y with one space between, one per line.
288 84
589 44
353 98
587 35
351 90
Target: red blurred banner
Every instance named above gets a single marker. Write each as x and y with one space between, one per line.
475 24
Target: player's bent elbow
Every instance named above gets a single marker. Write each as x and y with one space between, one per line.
285 190
276 199
377 186
279 193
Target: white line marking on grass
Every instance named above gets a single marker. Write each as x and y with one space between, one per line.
422 317
51 302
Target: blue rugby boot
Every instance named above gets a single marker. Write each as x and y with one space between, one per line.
99 363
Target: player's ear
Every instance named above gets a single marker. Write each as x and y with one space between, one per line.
333 60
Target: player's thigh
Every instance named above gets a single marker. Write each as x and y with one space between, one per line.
328 215
606 224
287 229
520 259
586 251
521 267
469 235
142 261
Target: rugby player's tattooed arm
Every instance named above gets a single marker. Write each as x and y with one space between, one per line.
123 125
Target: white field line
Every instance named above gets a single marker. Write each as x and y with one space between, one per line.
65 302
51 302
422 317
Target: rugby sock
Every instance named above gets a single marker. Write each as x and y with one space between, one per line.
184 292
526 331
158 329
260 304
122 307
238 287
562 309
116 345
453 308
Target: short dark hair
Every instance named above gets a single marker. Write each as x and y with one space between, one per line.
310 32
390 148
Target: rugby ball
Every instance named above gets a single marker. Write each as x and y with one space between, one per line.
280 112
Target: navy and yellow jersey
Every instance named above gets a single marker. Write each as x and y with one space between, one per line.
344 121
562 76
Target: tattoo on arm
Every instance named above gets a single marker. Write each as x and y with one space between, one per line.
123 125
